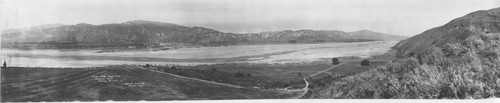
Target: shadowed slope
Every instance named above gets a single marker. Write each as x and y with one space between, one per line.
460 60
483 21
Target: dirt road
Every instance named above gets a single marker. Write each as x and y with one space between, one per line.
306 88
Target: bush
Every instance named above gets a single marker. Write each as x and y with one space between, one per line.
239 75
365 63
335 61
319 41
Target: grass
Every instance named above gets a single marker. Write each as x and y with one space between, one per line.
21 84
269 76
464 70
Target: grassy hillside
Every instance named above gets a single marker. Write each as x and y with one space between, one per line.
113 83
457 30
464 65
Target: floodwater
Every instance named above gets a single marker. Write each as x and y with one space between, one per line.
275 53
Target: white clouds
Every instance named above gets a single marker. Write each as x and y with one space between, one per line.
404 17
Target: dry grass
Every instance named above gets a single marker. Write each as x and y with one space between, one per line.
58 84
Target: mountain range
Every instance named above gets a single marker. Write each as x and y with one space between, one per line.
140 31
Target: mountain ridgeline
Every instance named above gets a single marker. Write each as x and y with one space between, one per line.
150 32
460 59
475 24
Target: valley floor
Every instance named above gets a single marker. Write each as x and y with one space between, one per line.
118 83
171 82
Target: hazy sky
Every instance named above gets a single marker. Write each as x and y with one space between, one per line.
400 17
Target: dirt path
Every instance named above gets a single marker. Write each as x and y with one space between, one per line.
306 88
212 82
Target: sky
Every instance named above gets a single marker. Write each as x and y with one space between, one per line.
399 17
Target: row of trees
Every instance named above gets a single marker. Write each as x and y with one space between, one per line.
335 61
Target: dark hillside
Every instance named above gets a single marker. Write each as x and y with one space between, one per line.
457 30
451 61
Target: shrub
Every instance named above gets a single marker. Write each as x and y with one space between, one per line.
335 61
365 63
239 75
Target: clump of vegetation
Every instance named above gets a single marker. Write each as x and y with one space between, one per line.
365 63
242 75
468 69
319 41
335 61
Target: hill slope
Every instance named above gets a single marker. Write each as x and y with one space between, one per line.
367 34
458 60
479 22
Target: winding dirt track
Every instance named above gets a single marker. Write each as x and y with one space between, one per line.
306 88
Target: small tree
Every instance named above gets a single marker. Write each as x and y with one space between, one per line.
214 70
335 61
365 63
239 75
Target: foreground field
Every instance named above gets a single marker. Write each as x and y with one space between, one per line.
273 76
114 83
177 82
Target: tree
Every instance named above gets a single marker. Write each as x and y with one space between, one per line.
365 63
239 75
249 75
335 61
214 70
4 64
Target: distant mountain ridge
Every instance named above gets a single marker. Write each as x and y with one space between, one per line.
141 31
375 35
